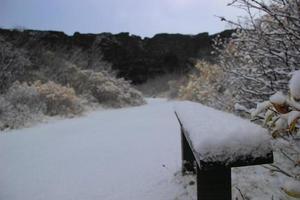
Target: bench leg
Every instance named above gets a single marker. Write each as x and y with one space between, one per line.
214 184
188 158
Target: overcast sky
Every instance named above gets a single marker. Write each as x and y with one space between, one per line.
140 17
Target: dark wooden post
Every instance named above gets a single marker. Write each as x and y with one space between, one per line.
188 159
214 184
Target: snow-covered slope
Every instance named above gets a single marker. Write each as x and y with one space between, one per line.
129 154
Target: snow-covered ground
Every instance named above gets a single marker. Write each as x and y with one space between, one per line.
129 154
119 154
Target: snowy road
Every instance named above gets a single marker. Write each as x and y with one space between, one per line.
129 154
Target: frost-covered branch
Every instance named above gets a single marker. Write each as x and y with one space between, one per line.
264 49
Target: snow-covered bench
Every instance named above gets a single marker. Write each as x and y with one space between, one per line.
213 142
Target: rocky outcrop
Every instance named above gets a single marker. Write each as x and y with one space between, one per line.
134 58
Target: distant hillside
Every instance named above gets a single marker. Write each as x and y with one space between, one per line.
132 57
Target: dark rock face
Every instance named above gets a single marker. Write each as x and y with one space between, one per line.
133 58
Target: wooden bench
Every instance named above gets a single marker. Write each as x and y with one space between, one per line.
213 167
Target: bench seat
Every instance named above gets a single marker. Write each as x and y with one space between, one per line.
214 141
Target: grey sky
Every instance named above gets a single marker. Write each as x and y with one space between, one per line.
140 17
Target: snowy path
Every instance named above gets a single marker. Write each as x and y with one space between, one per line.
106 155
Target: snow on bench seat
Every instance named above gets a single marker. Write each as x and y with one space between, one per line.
219 137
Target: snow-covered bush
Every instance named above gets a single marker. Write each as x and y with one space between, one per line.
282 111
264 49
13 64
103 86
23 104
260 57
99 84
281 114
24 94
113 92
20 105
207 84
59 100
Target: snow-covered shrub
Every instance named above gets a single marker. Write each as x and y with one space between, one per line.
264 49
14 116
13 63
103 86
23 104
20 105
24 94
260 56
111 91
207 85
99 85
59 100
281 114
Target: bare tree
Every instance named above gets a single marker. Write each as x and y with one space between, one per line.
261 57
264 49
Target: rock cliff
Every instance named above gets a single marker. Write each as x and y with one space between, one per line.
132 57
